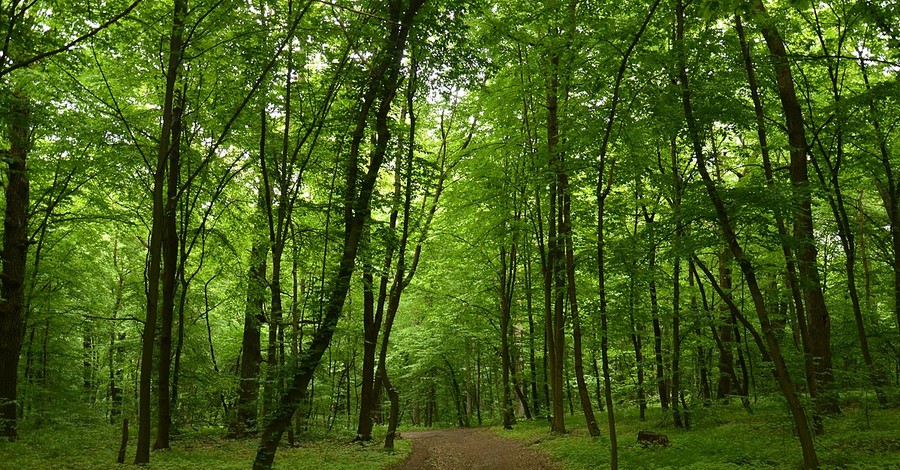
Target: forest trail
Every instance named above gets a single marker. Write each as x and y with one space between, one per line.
467 448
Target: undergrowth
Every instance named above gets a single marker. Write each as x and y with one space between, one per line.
724 437
95 446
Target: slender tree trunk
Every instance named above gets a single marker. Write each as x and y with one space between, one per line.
87 367
727 377
358 194
157 231
507 282
604 332
831 181
676 290
116 346
781 373
787 250
819 320
556 274
566 233
662 384
638 353
169 275
533 381
889 190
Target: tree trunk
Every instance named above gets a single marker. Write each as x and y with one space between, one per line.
781 373
566 233
787 251
662 384
533 382
394 418
245 420
157 231
889 190
358 194
555 276
169 275
638 352
507 282
15 252
727 377
819 320
676 290
116 345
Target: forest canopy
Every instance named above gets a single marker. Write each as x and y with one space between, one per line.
281 218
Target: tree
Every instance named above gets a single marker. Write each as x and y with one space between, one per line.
358 192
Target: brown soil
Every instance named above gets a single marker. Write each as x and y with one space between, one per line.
457 449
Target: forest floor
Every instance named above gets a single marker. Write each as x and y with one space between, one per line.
723 437
470 448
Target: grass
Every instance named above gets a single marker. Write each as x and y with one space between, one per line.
95 446
725 437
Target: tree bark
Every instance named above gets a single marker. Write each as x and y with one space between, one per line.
245 420
555 276
889 190
566 233
507 283
727 376
170 249
15 253
157 231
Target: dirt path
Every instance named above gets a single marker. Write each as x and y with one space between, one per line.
458 449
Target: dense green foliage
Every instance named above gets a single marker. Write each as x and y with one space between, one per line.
469 172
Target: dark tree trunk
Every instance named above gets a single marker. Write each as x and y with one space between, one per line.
566 233
831 181
157 231
87 352
533 381
116 346
727 377
889 190
370 340
394 418
245 420
507 283
15 252
787 250
676 290
555 275
604 185
169 275
638 352
662 384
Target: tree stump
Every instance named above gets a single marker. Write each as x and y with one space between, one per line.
646 438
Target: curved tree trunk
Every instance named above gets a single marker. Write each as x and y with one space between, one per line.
380 92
